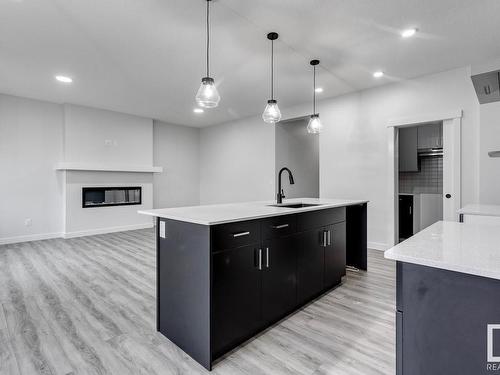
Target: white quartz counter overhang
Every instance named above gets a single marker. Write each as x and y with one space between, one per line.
467 248
480 209
227 213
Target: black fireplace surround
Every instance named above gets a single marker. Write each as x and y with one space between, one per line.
111 196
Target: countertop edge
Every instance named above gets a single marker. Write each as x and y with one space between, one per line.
255 217
480 210
442 266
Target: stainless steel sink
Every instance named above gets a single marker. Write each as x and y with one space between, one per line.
295 205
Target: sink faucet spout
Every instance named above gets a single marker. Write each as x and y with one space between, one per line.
281 194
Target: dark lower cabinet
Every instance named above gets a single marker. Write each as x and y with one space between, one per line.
220 285
335 254
279 295
236 296
442 321
310 264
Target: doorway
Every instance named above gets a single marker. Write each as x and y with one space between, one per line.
449 199
420 177
299 151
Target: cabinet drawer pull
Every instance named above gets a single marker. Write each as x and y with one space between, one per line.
260 259
324 238
329 238
241 234
281 226
267 257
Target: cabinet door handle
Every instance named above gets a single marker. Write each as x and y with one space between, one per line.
281 226
329 238
324 238
260 259
241 234
267 257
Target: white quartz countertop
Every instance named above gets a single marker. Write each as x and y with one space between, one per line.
480 209
468 248
227 213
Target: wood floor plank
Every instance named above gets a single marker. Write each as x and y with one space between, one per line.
8 362
87 306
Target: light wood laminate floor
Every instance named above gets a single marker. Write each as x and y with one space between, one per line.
87 306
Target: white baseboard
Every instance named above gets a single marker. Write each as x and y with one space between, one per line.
46 236
378 246
28 238
92 232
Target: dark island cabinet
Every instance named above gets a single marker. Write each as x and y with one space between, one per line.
335 254
310 264
219 285
236 295
279 280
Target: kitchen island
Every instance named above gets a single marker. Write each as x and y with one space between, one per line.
447 300
226 272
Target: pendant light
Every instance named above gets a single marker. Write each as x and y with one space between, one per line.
207 96
314 126
272 113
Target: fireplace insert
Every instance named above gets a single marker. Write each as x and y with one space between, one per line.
111 196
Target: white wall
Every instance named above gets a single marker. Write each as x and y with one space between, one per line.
36 135
489 141
299 151
31 134
353 146
98 136
237 162
177 150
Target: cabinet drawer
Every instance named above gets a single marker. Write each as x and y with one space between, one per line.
319 218
278 226
229 236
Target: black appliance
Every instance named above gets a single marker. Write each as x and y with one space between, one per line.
405 217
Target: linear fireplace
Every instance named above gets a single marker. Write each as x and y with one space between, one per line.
111 196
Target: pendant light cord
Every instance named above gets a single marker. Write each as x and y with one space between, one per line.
314 89
272 69
208 38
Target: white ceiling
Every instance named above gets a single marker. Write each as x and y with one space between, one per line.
146 57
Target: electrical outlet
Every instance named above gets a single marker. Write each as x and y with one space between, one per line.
108 142
28 222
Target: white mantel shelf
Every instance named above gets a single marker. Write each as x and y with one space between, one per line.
107 168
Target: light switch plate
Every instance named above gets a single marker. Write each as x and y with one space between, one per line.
162 229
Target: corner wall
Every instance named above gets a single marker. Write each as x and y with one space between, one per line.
31 134
177 150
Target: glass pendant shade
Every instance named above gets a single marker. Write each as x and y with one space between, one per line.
314 126
272 113
207 96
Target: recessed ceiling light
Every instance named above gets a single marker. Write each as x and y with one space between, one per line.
64 79
198 110
408 33
319 89
378 74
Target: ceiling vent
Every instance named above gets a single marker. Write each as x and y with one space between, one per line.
487 86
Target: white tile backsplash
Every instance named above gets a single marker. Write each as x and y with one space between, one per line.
428 180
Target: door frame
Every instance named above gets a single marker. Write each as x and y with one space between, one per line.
452 162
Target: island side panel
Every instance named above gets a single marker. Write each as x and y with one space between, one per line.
356 241
442 321
183 281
